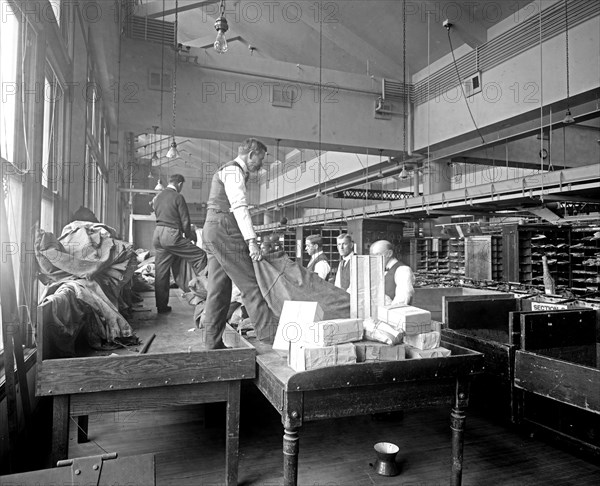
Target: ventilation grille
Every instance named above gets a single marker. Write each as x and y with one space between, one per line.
511 43
151 30
395 90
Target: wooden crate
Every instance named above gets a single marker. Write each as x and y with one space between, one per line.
481 323
430 298
557 374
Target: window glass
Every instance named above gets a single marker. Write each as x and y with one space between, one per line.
9 39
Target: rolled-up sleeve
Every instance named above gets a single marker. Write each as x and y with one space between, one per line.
235 188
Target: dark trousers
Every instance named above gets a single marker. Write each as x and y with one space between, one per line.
229 259
169 245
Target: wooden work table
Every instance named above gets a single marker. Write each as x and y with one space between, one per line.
176 370
365 388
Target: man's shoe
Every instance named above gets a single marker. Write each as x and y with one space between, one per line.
164 310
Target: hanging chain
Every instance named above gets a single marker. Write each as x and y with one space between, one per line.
175 69
404 77
567 46
222 8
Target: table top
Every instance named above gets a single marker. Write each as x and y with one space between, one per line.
462 362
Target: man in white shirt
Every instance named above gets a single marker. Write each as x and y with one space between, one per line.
318 261
230 242
399 278
345 247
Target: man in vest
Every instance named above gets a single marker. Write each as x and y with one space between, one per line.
230 242
345 246
399 278
318 261
173 237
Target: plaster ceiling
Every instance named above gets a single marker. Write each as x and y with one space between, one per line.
356 36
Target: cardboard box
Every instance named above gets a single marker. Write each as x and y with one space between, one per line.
334 331
426 340
380 331
304 357
367 285
415 353
369 351
295 321
407 318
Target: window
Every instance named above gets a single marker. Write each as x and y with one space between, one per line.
52 147
9 37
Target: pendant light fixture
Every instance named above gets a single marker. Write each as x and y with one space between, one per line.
173 152
568 119
154 159
404 173
221 26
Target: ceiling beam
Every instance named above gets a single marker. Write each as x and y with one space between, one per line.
584 107
182 8
500 163
360 49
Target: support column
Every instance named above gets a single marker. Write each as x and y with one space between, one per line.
437 177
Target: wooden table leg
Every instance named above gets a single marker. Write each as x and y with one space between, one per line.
458 439
291 447
457 424
233 432
60 429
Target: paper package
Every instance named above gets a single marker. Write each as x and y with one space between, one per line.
304 357
295 321
426 353
369 351
334 331
380 331
426 340
407 318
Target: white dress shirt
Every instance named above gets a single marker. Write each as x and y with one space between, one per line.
321 268
404 279
235 187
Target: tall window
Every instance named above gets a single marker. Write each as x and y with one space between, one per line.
9 39
11 184
52 147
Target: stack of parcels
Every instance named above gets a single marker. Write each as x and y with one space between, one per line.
312 342
416 324
328 343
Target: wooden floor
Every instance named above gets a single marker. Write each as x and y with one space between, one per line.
189 444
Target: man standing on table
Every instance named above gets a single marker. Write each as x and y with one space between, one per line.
399 278
173 237
346 249
230 242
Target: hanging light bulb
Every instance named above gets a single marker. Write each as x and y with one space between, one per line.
159 186
173 153
154 158
221 26
404 173
568 119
